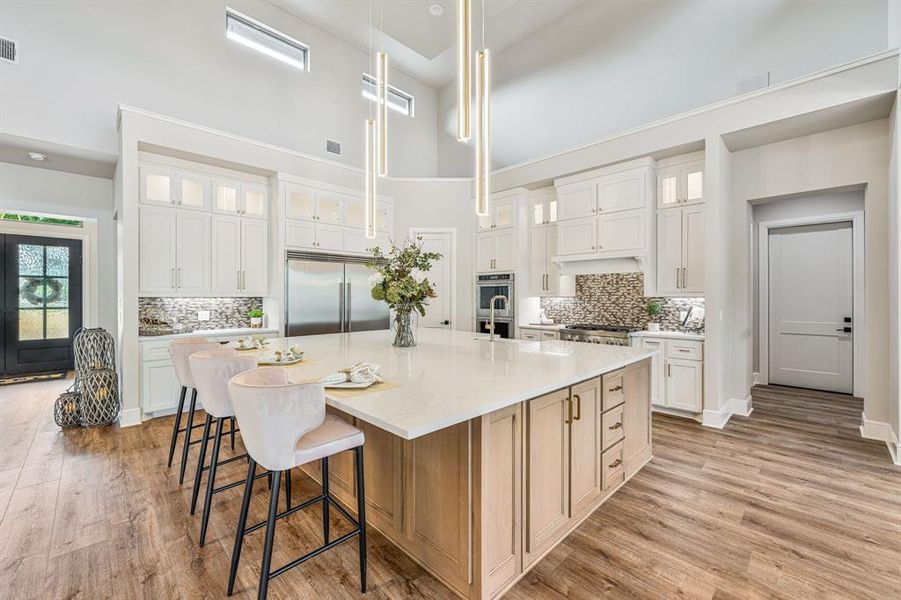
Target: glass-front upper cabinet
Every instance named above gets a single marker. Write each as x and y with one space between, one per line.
192 191
253 201
238 198
694 182
226 197
680 184
300 202
543 209
668 187
156 186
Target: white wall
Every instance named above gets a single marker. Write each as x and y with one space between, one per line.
80 59
91 198
840 158
812 205
610 66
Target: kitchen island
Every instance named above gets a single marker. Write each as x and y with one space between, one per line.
481 456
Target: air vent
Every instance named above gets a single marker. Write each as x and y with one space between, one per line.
333 147
9 50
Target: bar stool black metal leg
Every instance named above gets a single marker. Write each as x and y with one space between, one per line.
288 488
201 460
177 426
361 514
242 524
270 536
232 423
188 430
325 499
211 480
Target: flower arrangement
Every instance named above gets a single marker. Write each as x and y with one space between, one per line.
398 280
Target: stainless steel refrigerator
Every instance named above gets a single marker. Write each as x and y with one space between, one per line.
330 294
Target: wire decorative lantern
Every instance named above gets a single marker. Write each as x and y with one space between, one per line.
67 410
94 349
99 397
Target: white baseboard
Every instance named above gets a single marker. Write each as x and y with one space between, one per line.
755 378
716 419
130 417
743 407
881 431
676 413
894 448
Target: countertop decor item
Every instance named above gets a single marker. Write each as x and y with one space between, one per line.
654 309
398 281
256 318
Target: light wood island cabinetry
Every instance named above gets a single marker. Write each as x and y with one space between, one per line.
480 502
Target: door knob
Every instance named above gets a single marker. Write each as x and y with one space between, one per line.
844 329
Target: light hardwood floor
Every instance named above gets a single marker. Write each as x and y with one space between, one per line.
789 503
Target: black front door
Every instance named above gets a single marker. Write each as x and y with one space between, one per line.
40 286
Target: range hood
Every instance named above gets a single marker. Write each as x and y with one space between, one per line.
595 263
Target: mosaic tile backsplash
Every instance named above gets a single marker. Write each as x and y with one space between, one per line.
615 299
181 313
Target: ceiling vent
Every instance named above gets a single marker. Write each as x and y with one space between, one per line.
333 147
9 50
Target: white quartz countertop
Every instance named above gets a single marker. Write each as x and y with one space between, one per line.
550 327
669 335
210 333
450 376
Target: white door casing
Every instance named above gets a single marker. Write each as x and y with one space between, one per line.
810 296
440 312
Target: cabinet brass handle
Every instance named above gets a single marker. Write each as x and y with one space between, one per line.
678 270
616 463
178 277
669 370
683 350
569 408
684 276
616 389
578 400
615 426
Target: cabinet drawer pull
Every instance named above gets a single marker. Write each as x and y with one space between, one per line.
615 389
616 463
578 400
682 350
615 426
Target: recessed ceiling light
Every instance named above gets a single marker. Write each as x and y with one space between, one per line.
37 156
437 10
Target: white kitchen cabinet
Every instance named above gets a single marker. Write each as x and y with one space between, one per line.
314 236
192 191
240 198
622 231
356 242
543 208
577 236
501 215
677 373
544 274
684 384
355 215
622 191
681 183
538 335
577 200
329 237
157 185
254 257
658 377
157 241
310 204
240 262
680 251
192 271
495 250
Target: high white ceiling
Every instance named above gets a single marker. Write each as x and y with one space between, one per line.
418 42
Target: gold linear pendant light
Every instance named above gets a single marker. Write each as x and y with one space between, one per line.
381 111
464 69
483 131
370 178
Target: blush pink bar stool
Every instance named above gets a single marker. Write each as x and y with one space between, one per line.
284 425
211 370
180 349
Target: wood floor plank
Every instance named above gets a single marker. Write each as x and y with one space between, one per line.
787 503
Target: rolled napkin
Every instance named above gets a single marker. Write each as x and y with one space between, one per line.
358 373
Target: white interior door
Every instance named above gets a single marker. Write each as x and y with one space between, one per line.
810 298
439 312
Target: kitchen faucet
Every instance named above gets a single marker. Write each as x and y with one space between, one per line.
491 307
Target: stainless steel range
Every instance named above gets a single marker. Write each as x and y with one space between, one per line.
612 335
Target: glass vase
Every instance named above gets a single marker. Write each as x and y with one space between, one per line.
405 323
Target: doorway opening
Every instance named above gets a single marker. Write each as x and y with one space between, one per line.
812 324
440 314
41 301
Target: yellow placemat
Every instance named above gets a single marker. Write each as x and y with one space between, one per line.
345 393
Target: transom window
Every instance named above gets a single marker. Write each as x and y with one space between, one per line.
398 100
265 39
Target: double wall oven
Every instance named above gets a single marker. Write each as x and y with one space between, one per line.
487 287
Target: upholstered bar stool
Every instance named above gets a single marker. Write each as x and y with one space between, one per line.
180 349
284 425
211 370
